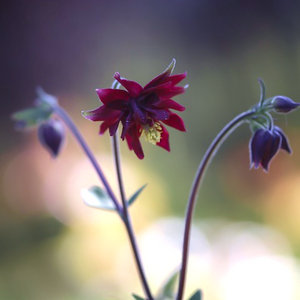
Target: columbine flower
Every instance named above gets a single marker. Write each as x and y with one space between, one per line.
51 135
282 104
142 111
264 144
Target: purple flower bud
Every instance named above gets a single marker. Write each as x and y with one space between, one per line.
282 104
264 144
51 135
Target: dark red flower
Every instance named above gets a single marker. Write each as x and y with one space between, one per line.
142 111
264 144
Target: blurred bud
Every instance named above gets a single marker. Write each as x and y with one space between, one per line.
282 104
51 135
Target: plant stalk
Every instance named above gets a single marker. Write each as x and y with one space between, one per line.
58 110
127 219
211 151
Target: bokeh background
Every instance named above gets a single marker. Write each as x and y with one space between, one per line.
246 239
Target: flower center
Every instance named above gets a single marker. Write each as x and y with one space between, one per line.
153 133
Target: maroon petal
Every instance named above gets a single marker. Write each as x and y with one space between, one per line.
113 128
108 95
132 87
158 114
101 113
158 89
169 104
175 79
104 126
161 77
175 121
170 93
134 143
164 141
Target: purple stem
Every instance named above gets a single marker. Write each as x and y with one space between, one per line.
214 146
127 220
70 124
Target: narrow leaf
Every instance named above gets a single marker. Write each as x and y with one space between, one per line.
136 297
167 290
97 198
135 195
196 296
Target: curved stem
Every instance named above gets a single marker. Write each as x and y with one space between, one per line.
68 121
127 220
214 146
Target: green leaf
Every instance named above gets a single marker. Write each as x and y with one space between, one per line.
31 116
136 297
167 291
135 195
97 198
196 296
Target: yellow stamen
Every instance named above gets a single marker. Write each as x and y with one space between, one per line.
152 134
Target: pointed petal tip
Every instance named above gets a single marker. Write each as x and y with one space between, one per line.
170 67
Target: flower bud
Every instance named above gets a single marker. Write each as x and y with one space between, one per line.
51 135
282 104
264 145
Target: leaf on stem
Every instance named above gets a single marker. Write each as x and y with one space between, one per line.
196 296
136 297
30 117
167 290
97 198
135 195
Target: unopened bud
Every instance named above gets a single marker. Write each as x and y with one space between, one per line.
282 104
51 135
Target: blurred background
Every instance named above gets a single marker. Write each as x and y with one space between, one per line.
246 237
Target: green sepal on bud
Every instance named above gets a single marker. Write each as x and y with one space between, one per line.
258 122
40 113
31 117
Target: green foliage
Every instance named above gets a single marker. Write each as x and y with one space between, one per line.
98 198
136 297
167 290
32 116
135 195
196 296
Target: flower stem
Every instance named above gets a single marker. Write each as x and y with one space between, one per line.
70 124
211 151
127 219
